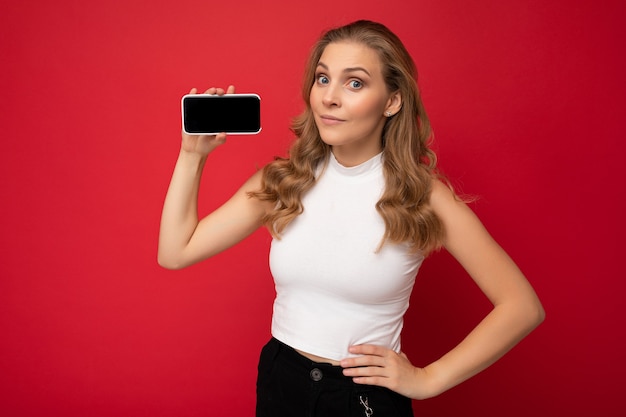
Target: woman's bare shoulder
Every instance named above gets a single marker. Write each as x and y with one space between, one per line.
442 195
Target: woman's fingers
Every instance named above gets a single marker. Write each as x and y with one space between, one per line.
219 91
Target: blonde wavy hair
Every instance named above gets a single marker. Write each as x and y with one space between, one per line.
409 165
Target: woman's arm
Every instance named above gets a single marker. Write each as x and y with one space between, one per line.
516 312
183 238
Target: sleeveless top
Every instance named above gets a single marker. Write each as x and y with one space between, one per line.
333 288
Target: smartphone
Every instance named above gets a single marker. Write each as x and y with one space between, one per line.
234 114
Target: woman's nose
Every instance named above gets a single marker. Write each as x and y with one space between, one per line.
331 96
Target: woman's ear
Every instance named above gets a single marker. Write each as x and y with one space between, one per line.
394 104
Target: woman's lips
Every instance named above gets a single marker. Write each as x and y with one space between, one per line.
330 120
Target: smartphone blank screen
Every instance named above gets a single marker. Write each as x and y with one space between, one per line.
230 113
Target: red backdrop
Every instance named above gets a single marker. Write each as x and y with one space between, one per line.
525 98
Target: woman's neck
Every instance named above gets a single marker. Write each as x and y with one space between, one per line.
353 157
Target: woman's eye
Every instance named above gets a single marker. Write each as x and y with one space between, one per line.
356 84
322 79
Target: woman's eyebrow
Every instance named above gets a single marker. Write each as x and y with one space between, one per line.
346 70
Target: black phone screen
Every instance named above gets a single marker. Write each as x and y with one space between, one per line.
211 114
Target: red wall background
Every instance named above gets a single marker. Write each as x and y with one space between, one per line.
527 102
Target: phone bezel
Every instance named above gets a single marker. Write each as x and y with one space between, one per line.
218 97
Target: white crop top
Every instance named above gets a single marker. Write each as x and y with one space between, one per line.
333 289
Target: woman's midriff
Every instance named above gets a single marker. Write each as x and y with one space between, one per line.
318 359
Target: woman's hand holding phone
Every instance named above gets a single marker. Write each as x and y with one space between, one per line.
205 144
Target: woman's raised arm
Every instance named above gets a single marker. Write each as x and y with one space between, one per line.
183 238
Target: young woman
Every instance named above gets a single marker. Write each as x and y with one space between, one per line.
354 210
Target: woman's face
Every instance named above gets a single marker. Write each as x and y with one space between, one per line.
348 99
